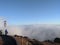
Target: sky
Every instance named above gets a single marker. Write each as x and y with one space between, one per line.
21 12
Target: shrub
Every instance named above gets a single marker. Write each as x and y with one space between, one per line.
57 40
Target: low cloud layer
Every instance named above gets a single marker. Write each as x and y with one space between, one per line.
40 32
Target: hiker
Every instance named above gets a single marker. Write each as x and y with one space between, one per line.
6 32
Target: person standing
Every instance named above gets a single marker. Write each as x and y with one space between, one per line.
6 32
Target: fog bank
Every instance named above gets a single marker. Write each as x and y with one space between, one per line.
40 32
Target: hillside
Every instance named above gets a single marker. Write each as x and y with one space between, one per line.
20 40
27 41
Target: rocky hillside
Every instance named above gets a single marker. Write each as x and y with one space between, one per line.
27 41
20 40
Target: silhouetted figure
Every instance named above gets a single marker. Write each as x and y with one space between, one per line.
6 32
0 32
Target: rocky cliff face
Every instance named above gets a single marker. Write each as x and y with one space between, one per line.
27 41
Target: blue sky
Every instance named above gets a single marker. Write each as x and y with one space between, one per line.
20 12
